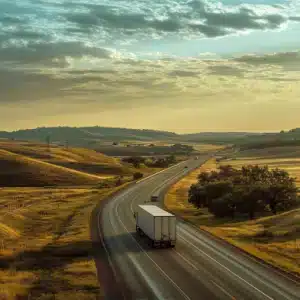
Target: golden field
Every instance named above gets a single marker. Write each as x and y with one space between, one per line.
275 239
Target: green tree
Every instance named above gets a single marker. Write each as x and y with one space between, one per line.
282 192
197 196
223 206
251 199
136 161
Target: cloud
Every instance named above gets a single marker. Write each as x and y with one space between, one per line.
226 70
174 90
49 54
55 63
163 18
280 58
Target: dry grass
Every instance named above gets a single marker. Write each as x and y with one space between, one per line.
84 160
45 247
275 239
19 170
56 153
30 164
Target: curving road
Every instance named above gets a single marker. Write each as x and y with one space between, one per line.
199 267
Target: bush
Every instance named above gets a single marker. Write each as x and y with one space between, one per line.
137 175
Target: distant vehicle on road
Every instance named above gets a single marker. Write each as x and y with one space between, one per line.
156 224
154 198
186 167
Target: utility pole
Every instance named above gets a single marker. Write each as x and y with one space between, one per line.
67 144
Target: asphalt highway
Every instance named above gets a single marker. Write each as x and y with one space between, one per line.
199 267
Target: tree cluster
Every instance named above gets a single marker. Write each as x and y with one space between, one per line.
249 190
136 161
162 162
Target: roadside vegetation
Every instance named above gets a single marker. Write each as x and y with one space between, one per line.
266 229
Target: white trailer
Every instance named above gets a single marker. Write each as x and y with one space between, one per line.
157 224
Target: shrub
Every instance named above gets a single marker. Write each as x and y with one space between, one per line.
137 175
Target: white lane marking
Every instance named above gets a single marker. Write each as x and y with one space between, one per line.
148 280
212 246
227 269
156 188
143 250
143 179
107 252
168 179
193 266
223 290
186 260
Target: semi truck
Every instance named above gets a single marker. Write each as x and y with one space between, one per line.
158 225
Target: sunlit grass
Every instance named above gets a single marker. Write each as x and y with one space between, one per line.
47 251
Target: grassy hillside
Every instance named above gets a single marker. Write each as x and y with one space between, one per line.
96 136
34 164
45 246
85 136
19 170
80 159
246 140
275 239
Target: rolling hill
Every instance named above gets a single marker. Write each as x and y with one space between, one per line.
19 170
33 164
86 136
105 138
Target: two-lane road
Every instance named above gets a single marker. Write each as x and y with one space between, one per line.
199 267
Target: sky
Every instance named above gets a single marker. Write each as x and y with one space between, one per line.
177 65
